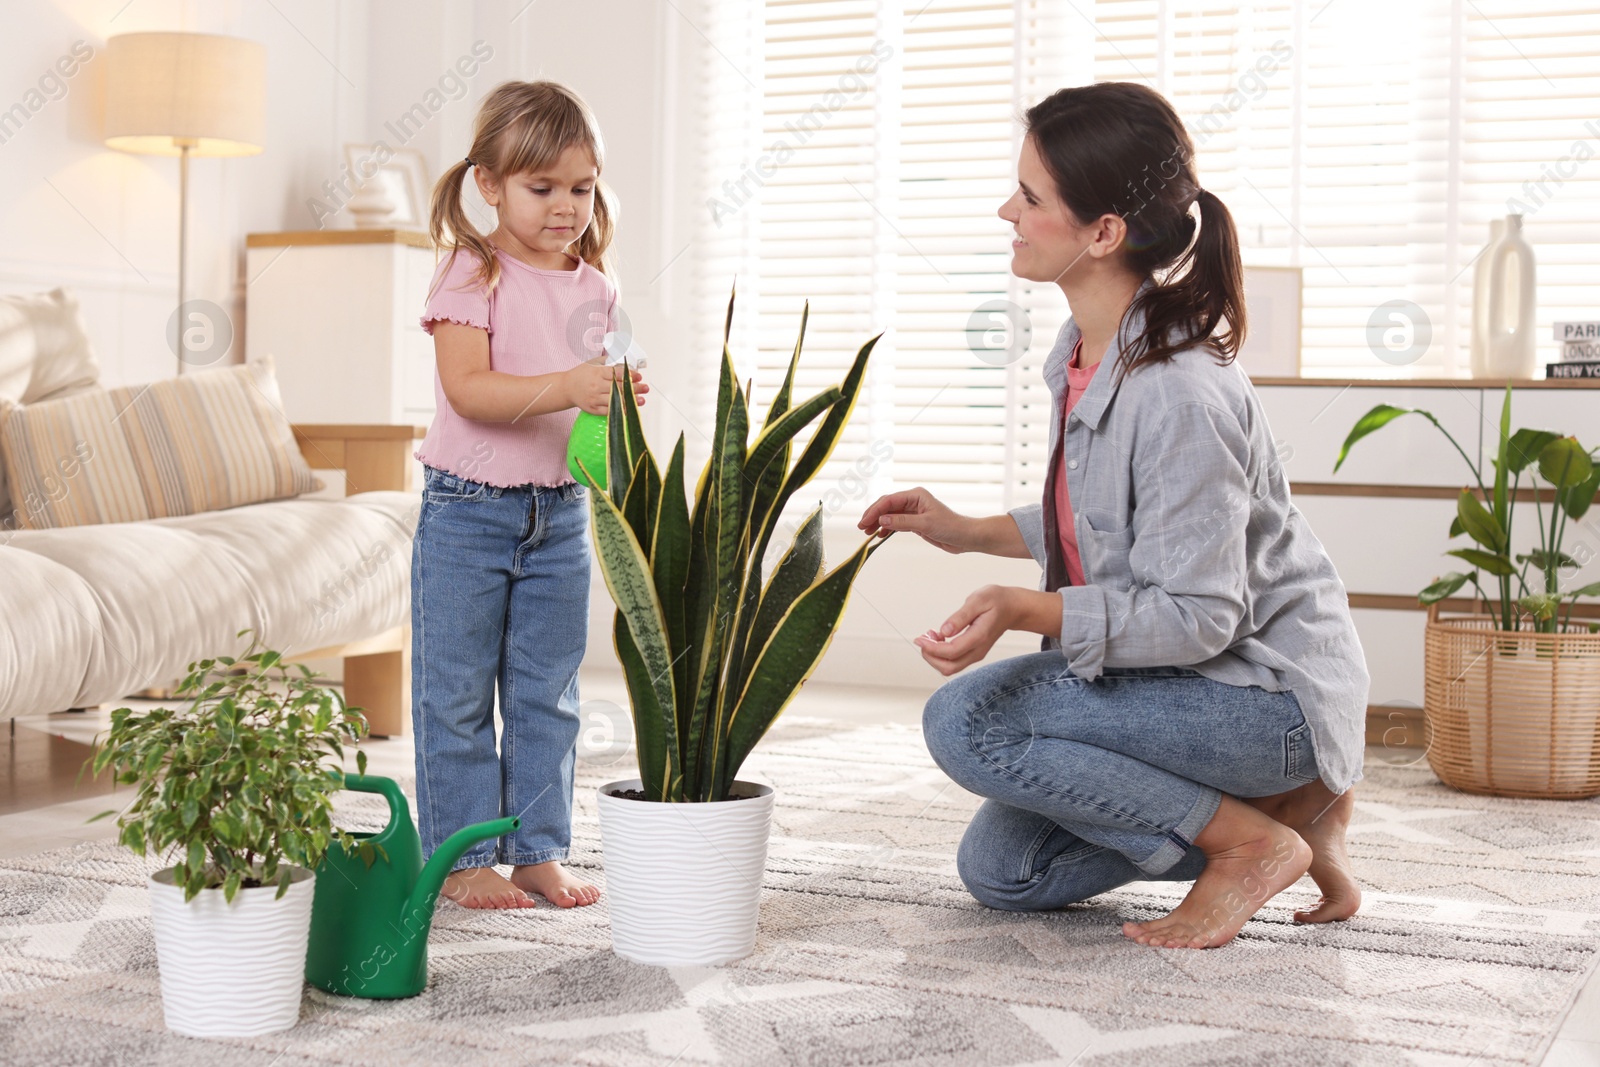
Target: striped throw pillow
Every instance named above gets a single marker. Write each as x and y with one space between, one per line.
207 440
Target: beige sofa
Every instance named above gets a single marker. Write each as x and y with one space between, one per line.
90 614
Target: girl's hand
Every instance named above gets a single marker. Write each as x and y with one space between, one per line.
918 511
588 387
967 636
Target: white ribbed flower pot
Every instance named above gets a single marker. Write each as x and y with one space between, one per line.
231 970
683 881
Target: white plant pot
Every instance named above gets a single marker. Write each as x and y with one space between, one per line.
683 881
231 970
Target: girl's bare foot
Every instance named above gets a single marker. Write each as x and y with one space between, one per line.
1320 817
483 887
553 882
1250 859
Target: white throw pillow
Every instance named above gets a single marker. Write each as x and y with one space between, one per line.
44 354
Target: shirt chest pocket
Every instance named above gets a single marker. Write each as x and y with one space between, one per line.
1105 554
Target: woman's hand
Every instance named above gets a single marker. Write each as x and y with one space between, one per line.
588 386
917 511
968 635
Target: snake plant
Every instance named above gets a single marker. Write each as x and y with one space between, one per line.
711 653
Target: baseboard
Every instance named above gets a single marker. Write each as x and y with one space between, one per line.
1396 726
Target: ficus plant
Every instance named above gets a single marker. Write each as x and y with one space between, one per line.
236 786
1486 514
712 648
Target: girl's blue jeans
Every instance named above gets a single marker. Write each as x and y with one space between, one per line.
1090 785
499 597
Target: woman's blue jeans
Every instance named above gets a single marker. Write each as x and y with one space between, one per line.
499 595
1090 785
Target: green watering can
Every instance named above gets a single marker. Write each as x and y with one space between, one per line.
369 923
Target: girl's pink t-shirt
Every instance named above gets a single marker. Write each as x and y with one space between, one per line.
1078 379
539 322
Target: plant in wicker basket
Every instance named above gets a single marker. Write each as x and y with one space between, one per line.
1573 477
1512 698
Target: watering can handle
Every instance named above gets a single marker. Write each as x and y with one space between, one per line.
387 787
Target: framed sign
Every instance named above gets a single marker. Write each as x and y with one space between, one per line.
1272 310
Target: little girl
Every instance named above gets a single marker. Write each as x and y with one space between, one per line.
500 564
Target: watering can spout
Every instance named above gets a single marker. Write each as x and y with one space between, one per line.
434 872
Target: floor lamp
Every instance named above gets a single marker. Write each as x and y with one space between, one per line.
185 94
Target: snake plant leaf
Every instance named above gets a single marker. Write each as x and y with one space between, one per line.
789 657
655 740
1493 563
1480 523
794 574
1577 500
1446 586
819 448
733 431
636 506
1525 446
1374 420
770 480
619 462
1563 463
633 429
773 444
627 575
669 559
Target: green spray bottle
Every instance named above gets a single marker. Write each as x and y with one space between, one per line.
590 432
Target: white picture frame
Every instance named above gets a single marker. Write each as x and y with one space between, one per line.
403 176
1273 306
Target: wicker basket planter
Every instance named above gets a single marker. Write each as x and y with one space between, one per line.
1512 713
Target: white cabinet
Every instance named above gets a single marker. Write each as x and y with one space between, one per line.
338 312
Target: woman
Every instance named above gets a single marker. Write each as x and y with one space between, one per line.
1198 710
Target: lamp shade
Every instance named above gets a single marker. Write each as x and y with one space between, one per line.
165 91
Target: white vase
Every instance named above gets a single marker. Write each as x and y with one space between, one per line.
1479 338
1510 351
371 207
683 881
231 969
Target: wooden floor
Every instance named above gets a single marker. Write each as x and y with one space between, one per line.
44 763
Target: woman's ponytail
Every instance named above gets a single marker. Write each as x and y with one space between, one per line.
1119 148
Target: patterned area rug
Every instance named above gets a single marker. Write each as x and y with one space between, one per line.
1482 921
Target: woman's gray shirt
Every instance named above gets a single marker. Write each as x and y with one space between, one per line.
1193 553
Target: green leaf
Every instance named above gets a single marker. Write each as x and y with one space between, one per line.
1491 562
627 575
796 572
1443 587
787 659
1480 523
1371 422
1564 463
1456 529
1576 500
1592 589
1541 606
1525 446
1539 558
669 559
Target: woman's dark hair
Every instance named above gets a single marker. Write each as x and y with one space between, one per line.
1119 148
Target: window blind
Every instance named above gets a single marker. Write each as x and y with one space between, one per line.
858 151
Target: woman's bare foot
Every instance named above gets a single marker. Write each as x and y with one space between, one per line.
1320 817
1250 859
483 887
553 882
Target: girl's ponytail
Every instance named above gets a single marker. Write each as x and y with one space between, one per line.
523 126
450 227
1119 148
